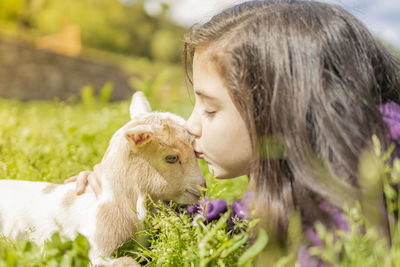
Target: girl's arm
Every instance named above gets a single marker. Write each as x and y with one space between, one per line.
83 179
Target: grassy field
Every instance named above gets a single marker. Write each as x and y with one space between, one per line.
51 141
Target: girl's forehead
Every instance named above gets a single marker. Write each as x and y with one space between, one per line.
206 55
207 82
202 51
202 57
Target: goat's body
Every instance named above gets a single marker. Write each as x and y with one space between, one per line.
37 210
40 210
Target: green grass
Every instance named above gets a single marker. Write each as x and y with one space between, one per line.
51 141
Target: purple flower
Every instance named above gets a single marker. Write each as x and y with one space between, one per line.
306 260
240 209
193 209
336 214
208 211
214 209
390 112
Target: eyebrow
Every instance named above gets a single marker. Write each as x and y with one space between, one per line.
201 94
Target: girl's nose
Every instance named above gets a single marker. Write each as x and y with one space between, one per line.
193 125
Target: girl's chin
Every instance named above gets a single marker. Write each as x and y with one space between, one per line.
218 173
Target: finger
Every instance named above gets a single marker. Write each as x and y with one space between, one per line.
70 179
95 184
81 182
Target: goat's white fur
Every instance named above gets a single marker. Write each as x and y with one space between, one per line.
36 210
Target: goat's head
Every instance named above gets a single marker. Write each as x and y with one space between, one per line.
163 146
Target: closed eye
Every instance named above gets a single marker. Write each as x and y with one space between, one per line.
209 114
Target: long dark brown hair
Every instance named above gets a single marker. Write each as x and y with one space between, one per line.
312 76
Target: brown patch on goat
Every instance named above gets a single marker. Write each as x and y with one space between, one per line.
49 188
113 226
68 199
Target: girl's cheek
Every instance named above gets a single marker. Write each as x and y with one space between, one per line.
213 138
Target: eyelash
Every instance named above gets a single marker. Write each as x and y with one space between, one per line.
209 114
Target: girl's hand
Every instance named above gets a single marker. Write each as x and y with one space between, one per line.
83 179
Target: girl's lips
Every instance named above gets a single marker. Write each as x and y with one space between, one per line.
198 154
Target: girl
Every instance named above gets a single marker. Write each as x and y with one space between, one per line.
306 74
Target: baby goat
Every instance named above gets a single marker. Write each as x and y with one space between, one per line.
150 155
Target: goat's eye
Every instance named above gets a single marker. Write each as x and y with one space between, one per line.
171 159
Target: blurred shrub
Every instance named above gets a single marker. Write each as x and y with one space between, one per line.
57 252
111 25
87 95
9 9
373 235
106 91
166 46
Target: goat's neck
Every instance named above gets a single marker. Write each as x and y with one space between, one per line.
120 175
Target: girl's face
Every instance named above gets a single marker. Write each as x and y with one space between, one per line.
221 136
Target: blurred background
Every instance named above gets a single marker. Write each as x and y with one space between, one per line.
59 50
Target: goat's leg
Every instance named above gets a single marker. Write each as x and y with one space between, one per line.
125 262
118 262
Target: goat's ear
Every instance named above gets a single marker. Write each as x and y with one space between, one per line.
139 136
139 104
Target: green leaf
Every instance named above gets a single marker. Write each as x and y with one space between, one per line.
106 91
377 145
251 253
87 95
